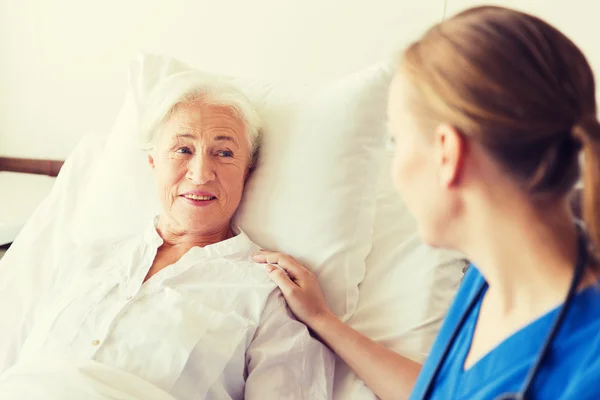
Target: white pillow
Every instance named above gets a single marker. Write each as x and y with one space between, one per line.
49 230
313 193
407 288
29 265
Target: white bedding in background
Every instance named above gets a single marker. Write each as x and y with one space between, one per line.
408 285
74 379
407 288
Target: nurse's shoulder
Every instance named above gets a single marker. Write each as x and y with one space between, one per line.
581 352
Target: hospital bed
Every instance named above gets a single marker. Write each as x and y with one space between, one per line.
321 192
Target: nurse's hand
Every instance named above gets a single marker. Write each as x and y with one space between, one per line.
388 374
299 286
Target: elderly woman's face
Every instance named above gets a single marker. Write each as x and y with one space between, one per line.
201 161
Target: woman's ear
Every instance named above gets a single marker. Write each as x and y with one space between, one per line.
451 147
249 171
151 160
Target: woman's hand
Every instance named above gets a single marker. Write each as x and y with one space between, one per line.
299 286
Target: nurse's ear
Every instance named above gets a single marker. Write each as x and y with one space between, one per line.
451 149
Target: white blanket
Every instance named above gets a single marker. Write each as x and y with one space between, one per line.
67 379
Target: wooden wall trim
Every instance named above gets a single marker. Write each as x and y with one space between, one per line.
31 166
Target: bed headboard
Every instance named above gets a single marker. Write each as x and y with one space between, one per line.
31 166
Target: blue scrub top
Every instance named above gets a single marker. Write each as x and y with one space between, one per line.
570 371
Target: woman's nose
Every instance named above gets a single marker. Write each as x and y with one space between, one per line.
200 170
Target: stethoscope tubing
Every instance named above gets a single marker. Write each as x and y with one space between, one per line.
580 264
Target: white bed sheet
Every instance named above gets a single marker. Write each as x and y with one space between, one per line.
71 379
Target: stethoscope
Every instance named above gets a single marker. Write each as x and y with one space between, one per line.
522 394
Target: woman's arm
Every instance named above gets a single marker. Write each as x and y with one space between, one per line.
388 374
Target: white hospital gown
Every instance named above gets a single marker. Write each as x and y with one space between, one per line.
211 326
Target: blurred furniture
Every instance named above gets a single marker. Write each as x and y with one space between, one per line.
24 184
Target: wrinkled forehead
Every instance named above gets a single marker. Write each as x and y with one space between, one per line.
201 121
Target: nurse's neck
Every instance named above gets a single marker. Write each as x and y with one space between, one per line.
526 254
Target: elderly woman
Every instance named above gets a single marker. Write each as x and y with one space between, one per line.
179 310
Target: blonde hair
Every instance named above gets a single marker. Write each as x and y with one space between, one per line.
521 89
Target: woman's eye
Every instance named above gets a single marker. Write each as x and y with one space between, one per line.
183 150
225 153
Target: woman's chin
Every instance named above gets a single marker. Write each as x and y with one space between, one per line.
430 238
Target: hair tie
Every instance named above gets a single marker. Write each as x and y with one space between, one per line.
586 130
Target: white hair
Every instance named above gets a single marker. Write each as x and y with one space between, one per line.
191 87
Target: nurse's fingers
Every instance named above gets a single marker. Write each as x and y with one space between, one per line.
294 269
281 279
303 296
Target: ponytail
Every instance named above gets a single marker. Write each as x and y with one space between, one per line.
536 128
588 133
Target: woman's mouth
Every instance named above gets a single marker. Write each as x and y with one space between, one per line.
194 197
199 199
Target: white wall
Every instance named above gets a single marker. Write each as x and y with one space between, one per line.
63 67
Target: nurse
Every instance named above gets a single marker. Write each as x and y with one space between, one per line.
491 111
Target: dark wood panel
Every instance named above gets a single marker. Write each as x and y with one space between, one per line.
31 166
